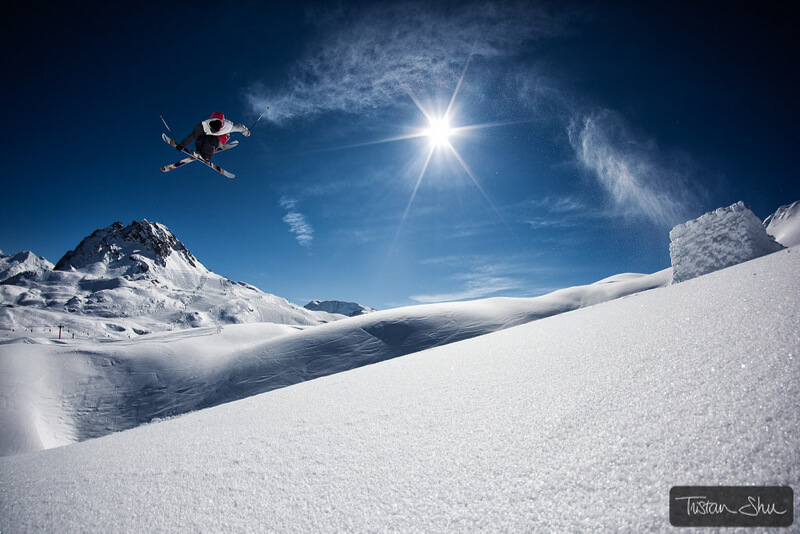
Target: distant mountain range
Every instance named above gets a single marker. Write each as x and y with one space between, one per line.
350 309
123 281
11 266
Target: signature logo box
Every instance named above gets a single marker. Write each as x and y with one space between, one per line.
731 506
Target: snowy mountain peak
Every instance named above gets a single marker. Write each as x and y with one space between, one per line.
132 280
132 251
21 262
350 309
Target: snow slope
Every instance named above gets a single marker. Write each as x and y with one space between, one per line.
577 422
55 393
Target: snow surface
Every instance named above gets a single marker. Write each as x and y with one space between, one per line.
577 422
784 225
718 239
57 392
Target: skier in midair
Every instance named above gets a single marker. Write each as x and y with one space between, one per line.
211 134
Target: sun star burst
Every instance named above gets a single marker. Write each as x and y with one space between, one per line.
439 132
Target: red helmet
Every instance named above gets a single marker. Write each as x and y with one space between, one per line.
216 121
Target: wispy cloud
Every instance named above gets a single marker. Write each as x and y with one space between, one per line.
303 231
641 180
485 277
475 290
561 212
366 58
557 204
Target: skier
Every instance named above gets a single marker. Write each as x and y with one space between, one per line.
211 134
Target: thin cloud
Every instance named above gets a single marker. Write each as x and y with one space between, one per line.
477 285
368 57
489 288
303 231
560 212
557 204
640 180
486 277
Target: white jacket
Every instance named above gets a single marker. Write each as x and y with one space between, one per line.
227 127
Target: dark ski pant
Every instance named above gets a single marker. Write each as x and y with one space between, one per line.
206 145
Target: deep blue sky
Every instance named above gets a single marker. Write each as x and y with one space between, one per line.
599 128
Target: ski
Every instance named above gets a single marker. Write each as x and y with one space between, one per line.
184 161
173 166
195 155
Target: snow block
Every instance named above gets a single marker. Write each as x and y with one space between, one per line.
716 240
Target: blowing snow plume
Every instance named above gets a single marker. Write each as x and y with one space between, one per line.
375 57
640 180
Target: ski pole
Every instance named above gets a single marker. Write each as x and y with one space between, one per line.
167 125
259 118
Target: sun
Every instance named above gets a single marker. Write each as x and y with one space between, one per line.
439 132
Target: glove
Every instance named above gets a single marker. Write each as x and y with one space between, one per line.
246 132
179 147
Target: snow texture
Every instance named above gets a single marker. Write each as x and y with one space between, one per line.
577 422
716 240
784 225
56 392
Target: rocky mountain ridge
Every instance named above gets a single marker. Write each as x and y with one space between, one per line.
123 281
350 309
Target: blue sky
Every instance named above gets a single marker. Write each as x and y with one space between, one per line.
581 133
